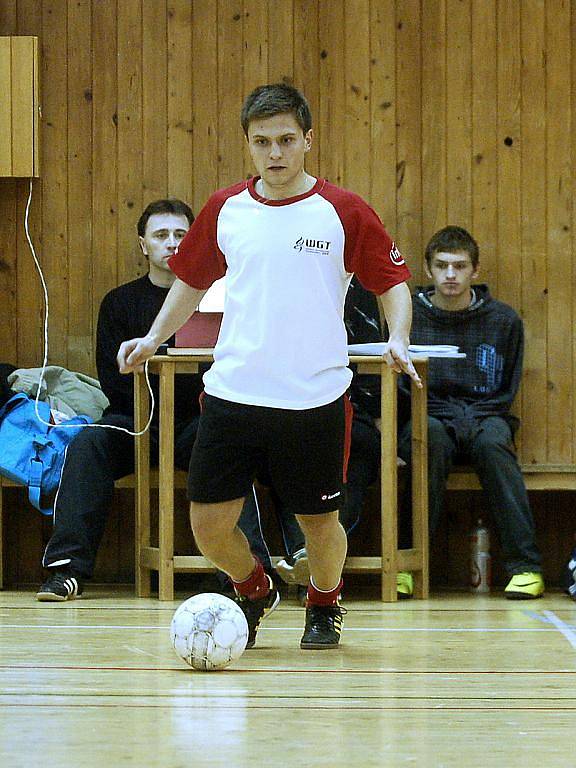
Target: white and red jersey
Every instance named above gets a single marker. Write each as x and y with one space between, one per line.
288 264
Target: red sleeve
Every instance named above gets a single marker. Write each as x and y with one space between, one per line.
198 261
369 251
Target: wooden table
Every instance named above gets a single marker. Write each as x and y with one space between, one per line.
162 558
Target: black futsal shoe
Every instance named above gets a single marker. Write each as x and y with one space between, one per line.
323 627
258 610
60 586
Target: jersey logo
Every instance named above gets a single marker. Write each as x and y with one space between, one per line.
311 245
395 256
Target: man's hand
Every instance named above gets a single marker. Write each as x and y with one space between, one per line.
398 359
133 354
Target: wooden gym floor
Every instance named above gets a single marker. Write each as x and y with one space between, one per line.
458 680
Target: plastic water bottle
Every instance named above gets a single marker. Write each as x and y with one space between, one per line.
480 559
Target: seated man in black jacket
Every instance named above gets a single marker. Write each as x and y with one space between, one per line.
469 400
98 457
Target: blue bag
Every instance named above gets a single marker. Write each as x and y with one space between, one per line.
32 453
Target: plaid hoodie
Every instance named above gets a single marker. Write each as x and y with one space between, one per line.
486 382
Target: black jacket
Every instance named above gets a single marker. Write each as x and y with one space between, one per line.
362 321
127 312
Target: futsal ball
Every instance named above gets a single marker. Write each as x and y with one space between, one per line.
209 631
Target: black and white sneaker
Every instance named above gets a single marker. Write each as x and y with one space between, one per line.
59 586
323 627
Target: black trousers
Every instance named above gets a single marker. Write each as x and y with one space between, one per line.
95 459
363 470
490 450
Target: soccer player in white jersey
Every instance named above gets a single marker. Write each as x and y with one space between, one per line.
275 397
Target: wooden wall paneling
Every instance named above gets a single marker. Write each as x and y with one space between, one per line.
459 113
8 17
485 137
54 177
255 41
573 307
155 102
30 294
508 288
30 331
358 157
23 105
230 92
533 231
382 194
104 149
509 150
134 152
29 17
409 133
522 78
205 101
307 68
79 106
280 40
434 122
6 111
559 186
8 274
331 119
254 59
180 88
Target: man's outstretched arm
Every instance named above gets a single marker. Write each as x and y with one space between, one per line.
181 302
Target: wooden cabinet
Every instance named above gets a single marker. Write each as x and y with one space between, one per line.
19 107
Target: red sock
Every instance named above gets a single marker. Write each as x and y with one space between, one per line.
256 586
319 597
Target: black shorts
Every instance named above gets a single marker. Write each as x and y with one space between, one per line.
303 453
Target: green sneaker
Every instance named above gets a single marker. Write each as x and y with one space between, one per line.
525 586
404 585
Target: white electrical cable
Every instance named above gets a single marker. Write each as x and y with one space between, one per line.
44 362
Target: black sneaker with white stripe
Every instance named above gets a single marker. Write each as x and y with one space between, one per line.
60 586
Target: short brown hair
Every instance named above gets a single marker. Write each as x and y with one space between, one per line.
276 99
168 205
450 240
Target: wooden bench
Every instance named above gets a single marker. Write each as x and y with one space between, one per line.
538 477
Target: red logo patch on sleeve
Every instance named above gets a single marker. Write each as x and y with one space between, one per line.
395 256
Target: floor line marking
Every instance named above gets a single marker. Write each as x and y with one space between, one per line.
562 627
452 630
204 707
298 670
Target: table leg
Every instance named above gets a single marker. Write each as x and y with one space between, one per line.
388 483
142 467
420 484
166 483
